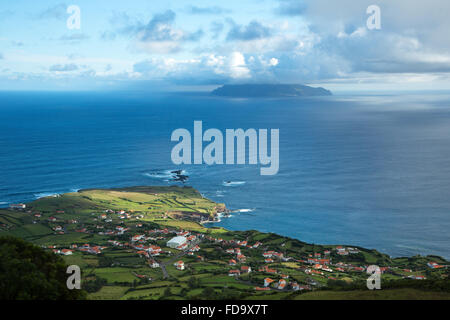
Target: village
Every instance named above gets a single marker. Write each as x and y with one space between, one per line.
121 248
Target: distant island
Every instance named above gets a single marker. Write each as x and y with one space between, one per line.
269 90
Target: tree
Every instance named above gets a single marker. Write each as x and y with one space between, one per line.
193 283
167 292
27 272
208 293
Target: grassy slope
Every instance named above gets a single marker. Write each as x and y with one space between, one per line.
392 294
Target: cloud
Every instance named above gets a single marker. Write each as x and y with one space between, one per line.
159 35
207 69
216 29
108 36
254 30
207 10
316 40
74 37
57 11
407 42
17 43
63 68
1 56
290 7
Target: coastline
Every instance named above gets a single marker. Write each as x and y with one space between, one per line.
127 233
218 217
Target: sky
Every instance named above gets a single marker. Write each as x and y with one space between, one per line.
150 44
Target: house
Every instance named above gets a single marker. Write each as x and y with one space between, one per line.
285 276
195 248
246 269
17 206
257 244
95 250
154 250
137 237
281 284
142 253
191 238
153 264
241 258
231 251
232 262
384 269
341 251
268 270
269 260
417 277
278 255
433 265
52 219
295 286
182 246
177 241
183 233
234 273
66 252
267 282
262 289
179 265
304 287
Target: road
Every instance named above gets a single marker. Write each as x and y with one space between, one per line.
176 257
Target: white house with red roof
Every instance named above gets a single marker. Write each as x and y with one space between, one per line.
246 269
234 273
179 265
267 282
281 284
66 252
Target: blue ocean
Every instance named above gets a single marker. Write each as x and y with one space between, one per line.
368 170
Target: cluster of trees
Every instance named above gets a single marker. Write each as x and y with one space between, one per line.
94 285
27 272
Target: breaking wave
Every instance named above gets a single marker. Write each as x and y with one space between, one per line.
233 183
